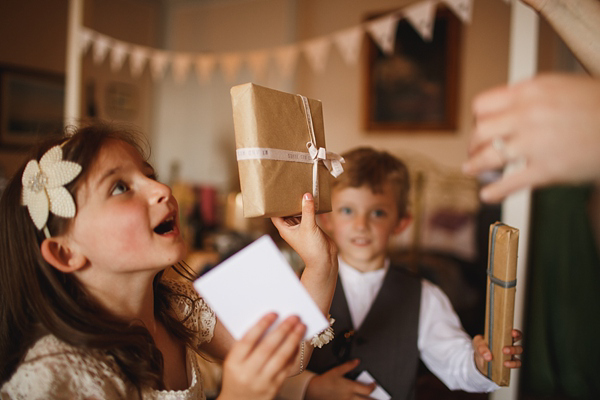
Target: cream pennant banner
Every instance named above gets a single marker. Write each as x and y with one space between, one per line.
348 43
383 32
205 65
159 60
286 58
317 52
230 64
86 38
101 47
257 62
462 8
138 58
421 16
181 66
118 54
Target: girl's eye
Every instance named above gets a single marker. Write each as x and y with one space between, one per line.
119 188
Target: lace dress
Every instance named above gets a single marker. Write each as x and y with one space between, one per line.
53 369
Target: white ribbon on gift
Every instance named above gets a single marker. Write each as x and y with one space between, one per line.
332 161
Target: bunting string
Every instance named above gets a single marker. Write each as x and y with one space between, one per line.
421 15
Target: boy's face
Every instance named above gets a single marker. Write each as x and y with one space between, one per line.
362 222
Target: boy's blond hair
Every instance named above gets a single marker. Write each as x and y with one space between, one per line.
373 168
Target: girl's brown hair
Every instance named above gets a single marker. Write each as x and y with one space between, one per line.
373 168
36 299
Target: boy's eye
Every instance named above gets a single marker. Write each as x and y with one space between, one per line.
379 213
345 210
119 188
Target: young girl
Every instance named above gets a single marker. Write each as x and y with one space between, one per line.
86 232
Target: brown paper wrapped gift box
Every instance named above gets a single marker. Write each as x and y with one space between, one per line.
500 301
274 122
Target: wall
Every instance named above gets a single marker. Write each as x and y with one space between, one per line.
33 36
41 48
484 59
117 95
193 123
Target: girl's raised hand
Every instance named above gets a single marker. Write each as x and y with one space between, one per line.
259 362
306 237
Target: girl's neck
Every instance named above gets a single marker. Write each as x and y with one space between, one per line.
125 296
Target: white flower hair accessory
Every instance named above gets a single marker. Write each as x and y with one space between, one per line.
43 187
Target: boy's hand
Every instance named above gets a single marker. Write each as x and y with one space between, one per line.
483 353
259 362
333 385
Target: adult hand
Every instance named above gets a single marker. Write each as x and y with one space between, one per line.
483 353
551 123
258 363
333 385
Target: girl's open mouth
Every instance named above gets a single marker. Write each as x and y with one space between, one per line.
166 226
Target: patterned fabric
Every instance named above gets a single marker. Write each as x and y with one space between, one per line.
53 369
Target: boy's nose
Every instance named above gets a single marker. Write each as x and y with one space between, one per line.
360 222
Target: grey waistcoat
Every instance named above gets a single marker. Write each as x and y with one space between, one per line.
385 343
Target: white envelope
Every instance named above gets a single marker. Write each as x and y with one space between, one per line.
254 281
378 393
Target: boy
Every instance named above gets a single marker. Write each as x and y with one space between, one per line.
386 318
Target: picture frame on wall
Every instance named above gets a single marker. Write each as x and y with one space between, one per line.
31 105
416 87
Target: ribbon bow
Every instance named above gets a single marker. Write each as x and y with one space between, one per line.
331 160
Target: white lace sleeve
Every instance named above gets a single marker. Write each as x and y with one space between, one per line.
54 370
192 310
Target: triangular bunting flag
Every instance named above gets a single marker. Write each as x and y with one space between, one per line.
158 63
348 43
421 16
101 45
316 52
205 65
286 58
230 63
462 8
383 32
86 36
257 61
137 60
117 55
181 66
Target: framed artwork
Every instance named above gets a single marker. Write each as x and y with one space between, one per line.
31 105
416 87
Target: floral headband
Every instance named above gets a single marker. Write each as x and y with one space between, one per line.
43 187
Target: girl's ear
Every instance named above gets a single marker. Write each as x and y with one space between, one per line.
403 224
58 254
